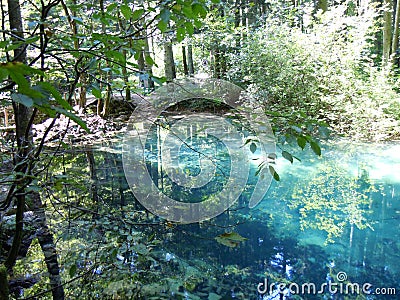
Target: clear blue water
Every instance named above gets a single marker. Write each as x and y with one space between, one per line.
338 213
333 214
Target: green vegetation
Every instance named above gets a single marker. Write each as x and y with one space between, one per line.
72 71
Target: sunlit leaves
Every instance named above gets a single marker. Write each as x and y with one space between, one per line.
96 93
42 95
137 14
126 11
301 141
162 26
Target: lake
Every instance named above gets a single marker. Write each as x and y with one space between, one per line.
327 230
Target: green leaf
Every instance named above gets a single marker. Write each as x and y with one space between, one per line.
116 55
13 46
137 14
20 80
316 148
163 26
180 34
159 80
3 73
149 60
187 11
273 173
72 270
96 93
189 28
253 147
111 7
287 156
31 40
23 99
301 141
73 117
197 23
126 11
47 110
56 94
199 10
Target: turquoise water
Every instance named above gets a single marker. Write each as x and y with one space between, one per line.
365 245
328 215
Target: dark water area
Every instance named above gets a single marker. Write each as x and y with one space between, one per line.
329 220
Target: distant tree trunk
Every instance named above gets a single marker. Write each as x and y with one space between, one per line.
107 99
184 61
104 109
395 40
190 60
169 63
237 8
82 91
128 96
387 32
148 68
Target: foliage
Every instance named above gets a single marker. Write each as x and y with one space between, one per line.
42 95
331 200
316 75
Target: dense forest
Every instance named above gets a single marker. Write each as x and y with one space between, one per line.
72 73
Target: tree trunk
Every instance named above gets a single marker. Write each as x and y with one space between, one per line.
395 40
23 115
82 91
190 60
145 69
107 75
23 164
169 63
148 68
237 8
48 247
387 32
184 61
125 75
